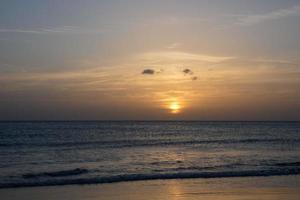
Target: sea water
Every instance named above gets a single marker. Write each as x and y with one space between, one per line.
61 153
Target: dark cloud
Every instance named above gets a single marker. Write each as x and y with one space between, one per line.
187 71
148 71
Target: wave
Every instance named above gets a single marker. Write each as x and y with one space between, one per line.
144 177
285 164
143 143
73 172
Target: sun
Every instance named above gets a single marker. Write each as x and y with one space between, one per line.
174 107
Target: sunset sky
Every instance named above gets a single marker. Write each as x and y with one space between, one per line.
150 60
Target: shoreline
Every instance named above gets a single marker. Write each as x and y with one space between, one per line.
152 177
264 188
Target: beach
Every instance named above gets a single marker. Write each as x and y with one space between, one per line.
262 188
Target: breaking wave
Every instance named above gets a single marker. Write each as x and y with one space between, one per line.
35 181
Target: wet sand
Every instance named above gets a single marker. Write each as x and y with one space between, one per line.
262 188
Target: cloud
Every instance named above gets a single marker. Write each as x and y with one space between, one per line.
148 72
173 46
194 78
277 14
31 31
52 30
187 71
177 56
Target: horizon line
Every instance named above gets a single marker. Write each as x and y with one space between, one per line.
134 120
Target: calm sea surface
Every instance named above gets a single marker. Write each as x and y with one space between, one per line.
60 153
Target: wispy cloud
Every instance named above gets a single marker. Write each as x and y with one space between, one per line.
8 30
173 45
52 30
182 56
277 14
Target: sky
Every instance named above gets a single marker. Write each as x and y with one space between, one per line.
150 60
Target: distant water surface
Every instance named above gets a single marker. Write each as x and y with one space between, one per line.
60 153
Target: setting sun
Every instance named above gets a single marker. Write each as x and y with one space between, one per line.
174 107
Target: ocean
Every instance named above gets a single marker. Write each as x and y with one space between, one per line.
90 152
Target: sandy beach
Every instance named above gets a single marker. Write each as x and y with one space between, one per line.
263 188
